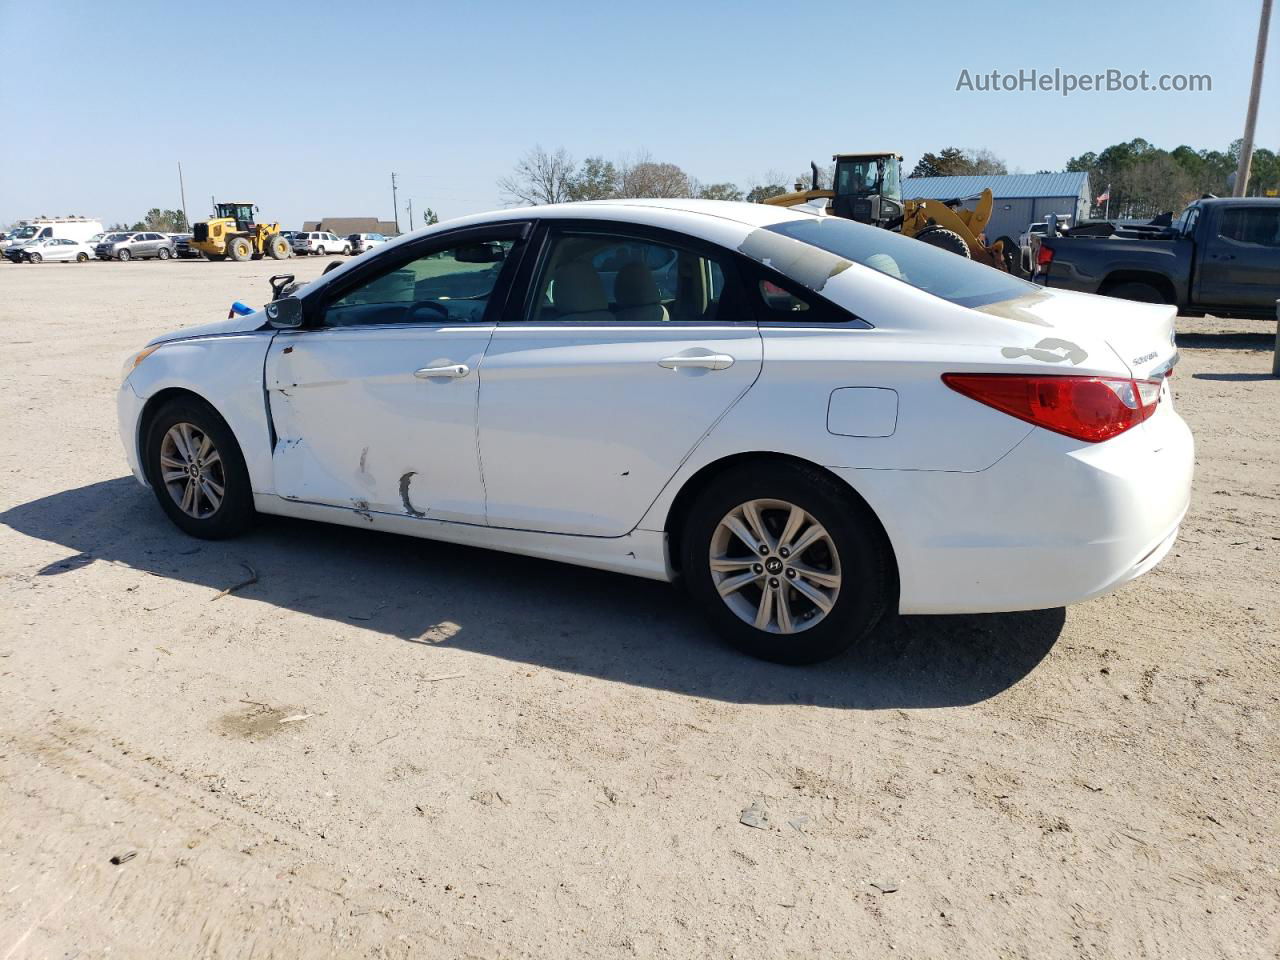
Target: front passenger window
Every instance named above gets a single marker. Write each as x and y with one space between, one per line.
448 286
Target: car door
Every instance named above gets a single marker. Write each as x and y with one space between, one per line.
374 400
60 250
629 346
1241 265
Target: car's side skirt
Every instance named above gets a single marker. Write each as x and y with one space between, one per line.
641 553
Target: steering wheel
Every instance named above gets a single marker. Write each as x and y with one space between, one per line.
435 308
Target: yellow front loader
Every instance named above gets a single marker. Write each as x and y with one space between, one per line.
232 232
868 188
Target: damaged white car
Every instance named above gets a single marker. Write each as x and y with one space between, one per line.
807 420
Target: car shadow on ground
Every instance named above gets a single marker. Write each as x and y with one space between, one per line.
1227 340
1235 377
532 611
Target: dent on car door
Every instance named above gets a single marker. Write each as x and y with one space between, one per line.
630 347
374 402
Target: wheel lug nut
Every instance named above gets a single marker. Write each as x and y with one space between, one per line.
764 549
791 574
773 582
756 568
784 552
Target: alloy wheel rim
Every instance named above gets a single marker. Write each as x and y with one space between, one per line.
775 566
192 470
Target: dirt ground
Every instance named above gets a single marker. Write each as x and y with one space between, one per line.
391 748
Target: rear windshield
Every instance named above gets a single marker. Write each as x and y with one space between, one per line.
939 272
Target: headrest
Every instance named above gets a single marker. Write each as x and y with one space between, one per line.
636 287
577 289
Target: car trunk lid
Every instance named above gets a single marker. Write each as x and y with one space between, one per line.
1141 334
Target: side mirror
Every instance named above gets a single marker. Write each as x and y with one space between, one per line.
285 314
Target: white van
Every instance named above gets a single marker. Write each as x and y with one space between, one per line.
79 229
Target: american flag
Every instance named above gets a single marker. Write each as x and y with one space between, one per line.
1103 197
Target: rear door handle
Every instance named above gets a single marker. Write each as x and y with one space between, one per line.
706 361
454 371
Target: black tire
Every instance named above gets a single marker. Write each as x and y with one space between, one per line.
82 258
235 513
123 256
346 251
1140 292
319 251
34 258
945 239
277 247
860 549
216 257
239 249
1011 254
162 253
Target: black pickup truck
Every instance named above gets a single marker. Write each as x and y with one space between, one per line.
1220 256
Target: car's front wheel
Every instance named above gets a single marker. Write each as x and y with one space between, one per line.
123 256
82 258
785 562
163 253
197 471
34 257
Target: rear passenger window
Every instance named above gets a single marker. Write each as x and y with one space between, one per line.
614 278
1256 225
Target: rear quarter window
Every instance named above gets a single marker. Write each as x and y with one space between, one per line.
938 272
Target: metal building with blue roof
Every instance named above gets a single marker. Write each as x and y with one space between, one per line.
1021 199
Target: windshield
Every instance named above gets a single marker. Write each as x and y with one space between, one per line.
857 177
926 268
25 233
115 237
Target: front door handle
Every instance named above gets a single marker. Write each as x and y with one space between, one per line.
454 371
706 361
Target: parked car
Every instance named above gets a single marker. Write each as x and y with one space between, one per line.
44 228
818 421
182 248
135 246
1026 245
55 249
320 243
364 242
1221 255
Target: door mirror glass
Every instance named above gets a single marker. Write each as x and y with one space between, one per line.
285 314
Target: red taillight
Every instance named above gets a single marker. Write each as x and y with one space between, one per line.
1044 256
1085 408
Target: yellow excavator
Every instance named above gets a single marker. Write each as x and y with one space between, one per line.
867 188
232 232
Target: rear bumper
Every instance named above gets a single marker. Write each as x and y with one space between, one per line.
1054 522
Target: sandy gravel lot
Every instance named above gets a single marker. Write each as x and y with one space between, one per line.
503 757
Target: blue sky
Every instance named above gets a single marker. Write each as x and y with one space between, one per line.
307 108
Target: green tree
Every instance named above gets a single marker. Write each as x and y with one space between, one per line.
763 191
720 191
959 162
596 179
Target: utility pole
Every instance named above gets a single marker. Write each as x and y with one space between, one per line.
396 204
1251 117
183 190
411 214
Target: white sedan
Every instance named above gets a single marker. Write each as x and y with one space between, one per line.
806 420
55 249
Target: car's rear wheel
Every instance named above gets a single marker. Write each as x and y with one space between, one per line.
320 251
82 258
197 471
785 563
123 256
